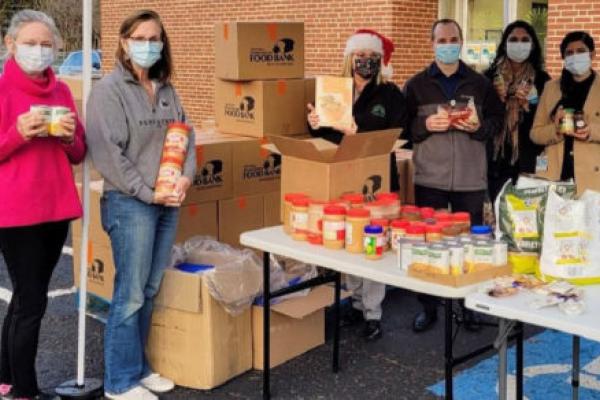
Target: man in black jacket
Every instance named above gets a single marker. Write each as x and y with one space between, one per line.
449 150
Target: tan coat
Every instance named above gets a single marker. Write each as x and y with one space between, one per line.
586 153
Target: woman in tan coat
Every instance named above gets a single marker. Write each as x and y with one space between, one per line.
571 155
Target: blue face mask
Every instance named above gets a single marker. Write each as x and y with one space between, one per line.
144 53
578 64
447 53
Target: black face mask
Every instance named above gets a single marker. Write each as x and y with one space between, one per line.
367 67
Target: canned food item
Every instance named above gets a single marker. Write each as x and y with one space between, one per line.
406 253
483 256
54 128
44 111
419 255
579 120
173 156
439 259
500 253
457 259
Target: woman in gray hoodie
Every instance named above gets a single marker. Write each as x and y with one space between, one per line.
128 114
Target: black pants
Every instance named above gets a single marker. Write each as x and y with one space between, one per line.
471 202
30 253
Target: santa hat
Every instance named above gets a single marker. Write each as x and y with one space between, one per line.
374 41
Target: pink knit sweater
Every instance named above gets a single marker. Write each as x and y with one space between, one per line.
36 179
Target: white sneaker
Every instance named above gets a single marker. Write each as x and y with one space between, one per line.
157 383
137 393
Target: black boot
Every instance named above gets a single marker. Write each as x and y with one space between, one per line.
373 331
352 317
424 320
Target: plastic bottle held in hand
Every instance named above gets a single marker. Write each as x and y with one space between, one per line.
567 124
173 157
579 120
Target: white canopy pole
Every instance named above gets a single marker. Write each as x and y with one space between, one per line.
82 388
85 190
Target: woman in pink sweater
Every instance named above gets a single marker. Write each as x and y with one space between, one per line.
38 197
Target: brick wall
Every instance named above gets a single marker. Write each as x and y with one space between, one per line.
189 24
565 16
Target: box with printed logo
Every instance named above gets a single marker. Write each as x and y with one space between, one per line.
261 108
325 171
238 215
259 50
255 169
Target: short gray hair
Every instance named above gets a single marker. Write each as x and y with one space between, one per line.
28 16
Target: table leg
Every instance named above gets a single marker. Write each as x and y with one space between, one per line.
266 326
502 361
520 334
575 377
449 355
336 328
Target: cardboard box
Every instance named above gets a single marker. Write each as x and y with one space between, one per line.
259 50
100 268
406 172
213 179
201 349
255 169
334 101
198 219
459 280
96 232
261 108
240 215
310 88
322 170
272 207
297 325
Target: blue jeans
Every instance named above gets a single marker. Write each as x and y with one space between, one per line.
142 236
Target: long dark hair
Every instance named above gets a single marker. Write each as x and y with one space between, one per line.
567 81
163 69
535 57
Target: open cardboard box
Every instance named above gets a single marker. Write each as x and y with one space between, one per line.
325 171
459 280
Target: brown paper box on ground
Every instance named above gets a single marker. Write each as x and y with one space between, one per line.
259 50
272 207
255 169
203 349
213 179
180 291
261 108
198 220
100 269
297 325
334 100
239 215
96 232
324 171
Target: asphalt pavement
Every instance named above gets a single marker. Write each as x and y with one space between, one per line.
399 366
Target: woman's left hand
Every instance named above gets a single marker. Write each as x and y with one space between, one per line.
181 187
68 126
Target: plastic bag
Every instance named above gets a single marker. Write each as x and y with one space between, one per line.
572 239
236 278
520 218
287 272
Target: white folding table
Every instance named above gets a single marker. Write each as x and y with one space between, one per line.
516 308
275 241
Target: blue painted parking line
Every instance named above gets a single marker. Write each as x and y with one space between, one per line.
547 373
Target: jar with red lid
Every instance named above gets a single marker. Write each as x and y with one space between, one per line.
334 227
443 216
433 233
463 221
377 208
398 229
411 213
416 232
354 200
315 221
287 210
356 221
427 212
300 218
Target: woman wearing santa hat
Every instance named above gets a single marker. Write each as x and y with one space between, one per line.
378 104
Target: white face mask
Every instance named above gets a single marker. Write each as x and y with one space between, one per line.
578 64
34 59
518 51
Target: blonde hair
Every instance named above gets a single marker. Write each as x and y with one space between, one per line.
347 69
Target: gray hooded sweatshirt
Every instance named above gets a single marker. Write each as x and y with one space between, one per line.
125 133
